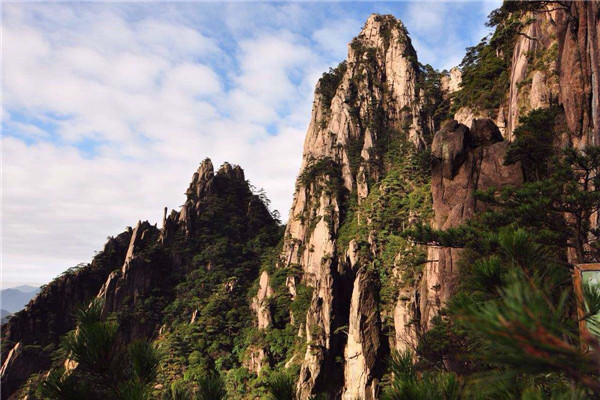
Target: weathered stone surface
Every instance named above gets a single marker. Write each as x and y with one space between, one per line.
449 147
260 303
343 324
484 132
201 186
194 317
382 51
540 94
257 359
136 277
533 73
454 202
364 347
406 313
11 358
451 82
579 60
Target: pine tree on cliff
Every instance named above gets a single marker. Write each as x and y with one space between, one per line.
514 309
513 314
103 368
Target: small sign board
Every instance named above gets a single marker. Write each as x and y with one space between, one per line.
586 274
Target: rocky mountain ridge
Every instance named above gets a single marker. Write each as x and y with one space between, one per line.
391 144
141 263
346 320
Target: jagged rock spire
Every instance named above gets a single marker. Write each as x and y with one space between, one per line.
201 180
373 93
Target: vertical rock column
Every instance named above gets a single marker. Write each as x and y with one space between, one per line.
463 161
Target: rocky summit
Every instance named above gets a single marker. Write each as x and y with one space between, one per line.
411 184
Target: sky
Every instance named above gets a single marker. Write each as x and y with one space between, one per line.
108 108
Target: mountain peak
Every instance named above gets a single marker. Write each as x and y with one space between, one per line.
234 172
381 31
201 180
206 168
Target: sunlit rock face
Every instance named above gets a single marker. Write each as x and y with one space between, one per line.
463 161
373 93
377 95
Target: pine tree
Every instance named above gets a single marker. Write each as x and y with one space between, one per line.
511 329
103 368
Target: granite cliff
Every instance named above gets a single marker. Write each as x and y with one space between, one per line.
391 144
369 296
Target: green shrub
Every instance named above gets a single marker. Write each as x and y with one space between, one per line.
329 83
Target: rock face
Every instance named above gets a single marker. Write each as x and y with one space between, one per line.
260 303
364 102
351 173
375 93
153 258
451 82
555 59
533 75
364 348
579 61
127 286
463 161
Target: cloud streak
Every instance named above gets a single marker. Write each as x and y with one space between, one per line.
109 108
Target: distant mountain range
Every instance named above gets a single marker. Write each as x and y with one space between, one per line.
4 316
14 299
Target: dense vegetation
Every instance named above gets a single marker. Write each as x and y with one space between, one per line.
509 331
197 308
514 307
98 366
486 66
207 321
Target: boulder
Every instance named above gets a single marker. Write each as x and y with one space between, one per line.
449 147
484 132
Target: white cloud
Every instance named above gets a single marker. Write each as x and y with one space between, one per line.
441 31
429 19
108 109
146 95
192 80
334 38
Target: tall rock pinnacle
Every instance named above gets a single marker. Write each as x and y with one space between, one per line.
359 105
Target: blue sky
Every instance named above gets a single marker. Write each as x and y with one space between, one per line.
108 108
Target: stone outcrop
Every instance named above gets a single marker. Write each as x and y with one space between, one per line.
260 303
201 185
257 359
463 161
377 93
555 59
406 312
364 348
153 260
533 74
451 83
345 295
127 286
579 63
